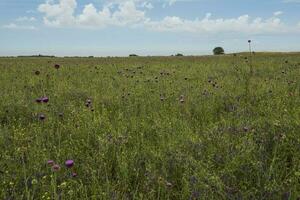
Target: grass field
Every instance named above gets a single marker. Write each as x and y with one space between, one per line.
150 127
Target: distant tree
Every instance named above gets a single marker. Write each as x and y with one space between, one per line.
179 54
133 55
218 51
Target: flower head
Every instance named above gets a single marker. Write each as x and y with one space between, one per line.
69 163
50 162
38 100
45 99
57 66
42 117
56 167
74 174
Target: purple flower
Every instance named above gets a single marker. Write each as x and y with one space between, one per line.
42 117
50 162
74 174
45 99
56 167
38 100
69 163
57 66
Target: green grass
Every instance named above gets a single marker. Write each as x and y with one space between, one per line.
235 136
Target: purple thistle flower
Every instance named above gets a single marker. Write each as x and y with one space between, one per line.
38 100
69 163
57 66
45 99
50 162
74 174
42 117
56 167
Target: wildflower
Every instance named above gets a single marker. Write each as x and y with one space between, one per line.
50 162
45 99
56 167
42 117
38 100
74 174
69 163
57 66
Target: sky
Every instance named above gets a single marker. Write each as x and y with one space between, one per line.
146 27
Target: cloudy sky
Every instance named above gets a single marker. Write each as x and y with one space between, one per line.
146 27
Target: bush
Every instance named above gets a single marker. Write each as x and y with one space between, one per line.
179 54
218 51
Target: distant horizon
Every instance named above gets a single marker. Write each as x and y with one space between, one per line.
146 27
141 55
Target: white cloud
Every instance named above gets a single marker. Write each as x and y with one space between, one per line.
243 24
22 19
171 2
19 27
132 13
147 5
291 1
278 13
62 14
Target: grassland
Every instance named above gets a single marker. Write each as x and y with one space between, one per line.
151 127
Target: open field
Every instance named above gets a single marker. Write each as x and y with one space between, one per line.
150 127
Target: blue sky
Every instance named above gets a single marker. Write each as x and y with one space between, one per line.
146 27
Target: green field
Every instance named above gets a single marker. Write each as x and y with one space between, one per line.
155 128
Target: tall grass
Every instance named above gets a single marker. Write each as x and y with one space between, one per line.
205 139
